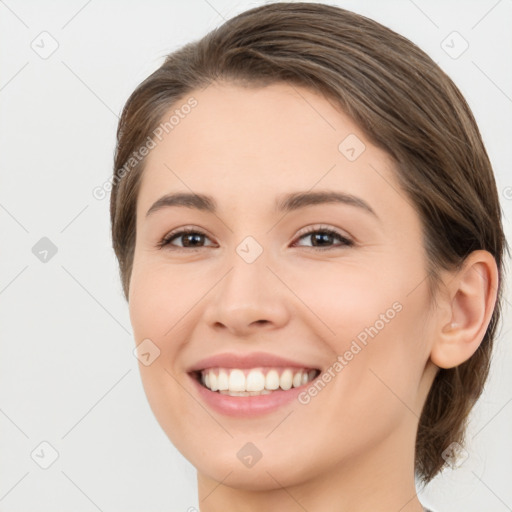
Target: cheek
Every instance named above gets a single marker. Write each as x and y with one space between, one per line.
156 304
347 298
374 327
159 297
374 386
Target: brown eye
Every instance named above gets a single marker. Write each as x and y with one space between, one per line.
323 239
191 239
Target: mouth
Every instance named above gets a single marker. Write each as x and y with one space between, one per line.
245 382
247 385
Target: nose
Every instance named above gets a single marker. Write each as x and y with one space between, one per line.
247 299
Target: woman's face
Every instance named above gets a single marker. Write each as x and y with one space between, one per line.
260 276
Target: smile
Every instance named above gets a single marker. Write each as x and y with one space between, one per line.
250 392
255 381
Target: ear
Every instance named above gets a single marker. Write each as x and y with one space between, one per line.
470 300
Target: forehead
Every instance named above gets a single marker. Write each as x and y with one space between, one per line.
250 143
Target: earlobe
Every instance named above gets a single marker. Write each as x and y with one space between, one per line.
472 293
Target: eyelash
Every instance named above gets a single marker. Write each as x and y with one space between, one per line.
166 241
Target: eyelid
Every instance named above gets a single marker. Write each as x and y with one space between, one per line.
323 227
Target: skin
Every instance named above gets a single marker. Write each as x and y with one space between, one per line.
353 444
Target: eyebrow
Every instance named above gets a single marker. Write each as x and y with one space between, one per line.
285 203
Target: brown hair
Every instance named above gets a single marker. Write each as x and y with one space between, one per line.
403 102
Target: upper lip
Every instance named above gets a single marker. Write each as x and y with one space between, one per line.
252 360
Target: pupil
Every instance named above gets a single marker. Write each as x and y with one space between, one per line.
190 236
322 237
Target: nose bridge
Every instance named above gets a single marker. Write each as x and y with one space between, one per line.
249 294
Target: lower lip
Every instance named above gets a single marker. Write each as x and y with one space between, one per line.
247 406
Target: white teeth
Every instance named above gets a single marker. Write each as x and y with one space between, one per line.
222 381
238 382
272 380
213 381
246 393
255 381
286 380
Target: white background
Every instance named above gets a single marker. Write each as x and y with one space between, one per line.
67 372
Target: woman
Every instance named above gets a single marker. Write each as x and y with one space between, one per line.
310 241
